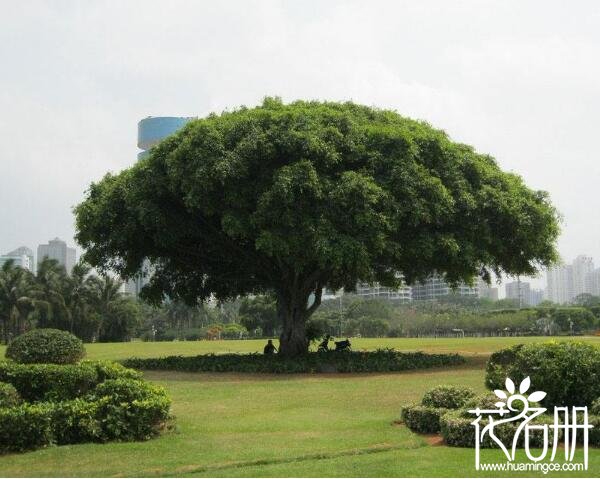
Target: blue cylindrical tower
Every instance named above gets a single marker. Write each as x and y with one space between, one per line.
152 130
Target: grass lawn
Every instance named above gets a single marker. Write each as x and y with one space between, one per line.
466 346
281 425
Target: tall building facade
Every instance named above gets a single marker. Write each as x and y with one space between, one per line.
519 291
58 250
436 287
486 291
402 294
565 282
21 256
583 267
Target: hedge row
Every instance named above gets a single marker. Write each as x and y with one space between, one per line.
54 382
118 409
569 372
457 431
342 362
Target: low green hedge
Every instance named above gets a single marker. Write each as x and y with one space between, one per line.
56 382
423 419
457 431
117 409
449 397
382 360
437 401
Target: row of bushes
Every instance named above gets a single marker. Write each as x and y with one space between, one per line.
445 410
53 382
117 409
343 362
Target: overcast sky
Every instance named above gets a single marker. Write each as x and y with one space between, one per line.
518 80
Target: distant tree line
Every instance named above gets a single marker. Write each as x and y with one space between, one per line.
94 308
89 306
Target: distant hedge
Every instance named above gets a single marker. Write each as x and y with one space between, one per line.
382 360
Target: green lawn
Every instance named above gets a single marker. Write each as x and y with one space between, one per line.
466 346
276 425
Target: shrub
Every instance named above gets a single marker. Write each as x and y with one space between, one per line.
55 382
449 397
345 362
569 372
111 370
9 396
421 418
49 382
481 401
46 346
457 431
27 426
76 421
118 409
130 409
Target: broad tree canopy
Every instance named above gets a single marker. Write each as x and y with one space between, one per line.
294 198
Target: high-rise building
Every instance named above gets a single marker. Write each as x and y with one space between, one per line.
559 281
58 250
594 282
21 256
486 291
565 282
583 266
436 287
520 291
536 296
402 294
153 129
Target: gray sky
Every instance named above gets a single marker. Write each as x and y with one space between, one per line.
518 80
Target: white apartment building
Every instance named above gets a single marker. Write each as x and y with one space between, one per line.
21 256
567 281
58 250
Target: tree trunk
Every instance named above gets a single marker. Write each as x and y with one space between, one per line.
293 312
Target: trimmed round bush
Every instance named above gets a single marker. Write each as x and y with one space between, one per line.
449 397
569 372
46 346
423 419
9 396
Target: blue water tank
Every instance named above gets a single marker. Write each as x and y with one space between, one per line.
152 130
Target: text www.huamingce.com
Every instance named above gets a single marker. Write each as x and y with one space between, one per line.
543 467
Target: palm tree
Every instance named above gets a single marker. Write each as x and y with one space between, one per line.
52 283
80 300
106 292
17 299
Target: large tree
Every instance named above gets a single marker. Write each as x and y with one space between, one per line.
294 198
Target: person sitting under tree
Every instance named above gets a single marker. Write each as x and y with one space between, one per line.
324 345
270 348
